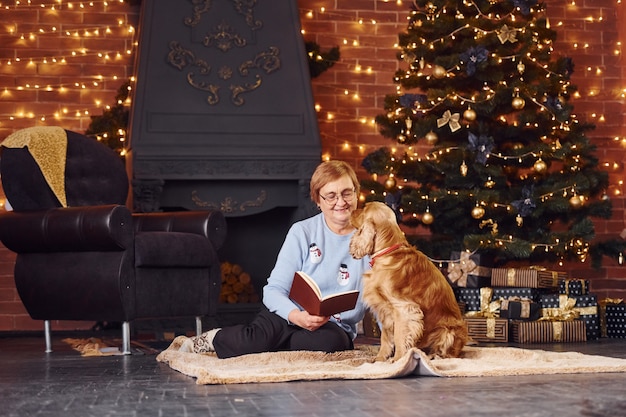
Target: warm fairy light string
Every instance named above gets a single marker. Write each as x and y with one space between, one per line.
54 5
86 82
308 14
311 14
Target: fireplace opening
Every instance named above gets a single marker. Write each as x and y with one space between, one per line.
254 241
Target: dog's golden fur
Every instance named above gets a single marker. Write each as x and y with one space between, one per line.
409 296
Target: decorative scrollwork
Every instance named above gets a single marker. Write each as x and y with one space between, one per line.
257 202
212 89
229 205
237 90
243 7
180 58
267 60
224 38
199 8
246 8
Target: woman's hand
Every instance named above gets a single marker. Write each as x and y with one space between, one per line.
306 320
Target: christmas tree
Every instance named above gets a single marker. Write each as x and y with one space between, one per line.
488 153
110 127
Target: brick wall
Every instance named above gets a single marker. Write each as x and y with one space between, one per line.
349 95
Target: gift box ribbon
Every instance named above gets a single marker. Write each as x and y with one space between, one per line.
488 310
603 303
512 272
458 271
524 304
566 310
557 331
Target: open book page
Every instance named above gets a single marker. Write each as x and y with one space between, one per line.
307 294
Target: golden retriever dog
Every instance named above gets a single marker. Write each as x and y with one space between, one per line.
409 296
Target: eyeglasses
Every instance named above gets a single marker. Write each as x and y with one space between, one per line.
332 198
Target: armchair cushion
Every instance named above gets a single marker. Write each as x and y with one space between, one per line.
72 229
172 250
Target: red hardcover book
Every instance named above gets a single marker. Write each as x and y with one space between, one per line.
307 294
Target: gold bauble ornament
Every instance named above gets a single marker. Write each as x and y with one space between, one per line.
431 138
540 166
469 115
519 220
478 212
427 218
575 201
439 71
390 182
518 103
490 183
521 67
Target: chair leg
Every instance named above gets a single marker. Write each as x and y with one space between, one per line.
126 338
48 337
198 325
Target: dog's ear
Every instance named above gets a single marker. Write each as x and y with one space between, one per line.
362 242
355 218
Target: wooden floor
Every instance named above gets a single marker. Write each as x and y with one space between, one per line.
62 383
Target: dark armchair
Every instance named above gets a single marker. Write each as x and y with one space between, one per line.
82 254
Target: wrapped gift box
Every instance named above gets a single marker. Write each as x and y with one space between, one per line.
469 270
513 292
526 277
546 331
574 286
616 320
586 306
495 330
519 309
470 297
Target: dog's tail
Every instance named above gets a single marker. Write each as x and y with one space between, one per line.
448 342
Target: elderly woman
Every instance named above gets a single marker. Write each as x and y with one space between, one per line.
318 246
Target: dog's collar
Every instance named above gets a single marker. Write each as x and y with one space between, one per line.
384 252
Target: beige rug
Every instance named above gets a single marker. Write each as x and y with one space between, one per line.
357 364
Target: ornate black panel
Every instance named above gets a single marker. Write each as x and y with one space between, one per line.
222 94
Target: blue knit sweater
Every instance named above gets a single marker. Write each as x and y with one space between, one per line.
311 246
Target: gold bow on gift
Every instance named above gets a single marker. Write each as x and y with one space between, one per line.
449 118
565 311
459 270
489 310
606 301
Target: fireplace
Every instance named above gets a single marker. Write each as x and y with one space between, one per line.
223 118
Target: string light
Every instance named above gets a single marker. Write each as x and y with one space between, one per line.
86 84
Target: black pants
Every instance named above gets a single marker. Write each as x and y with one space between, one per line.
269 332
